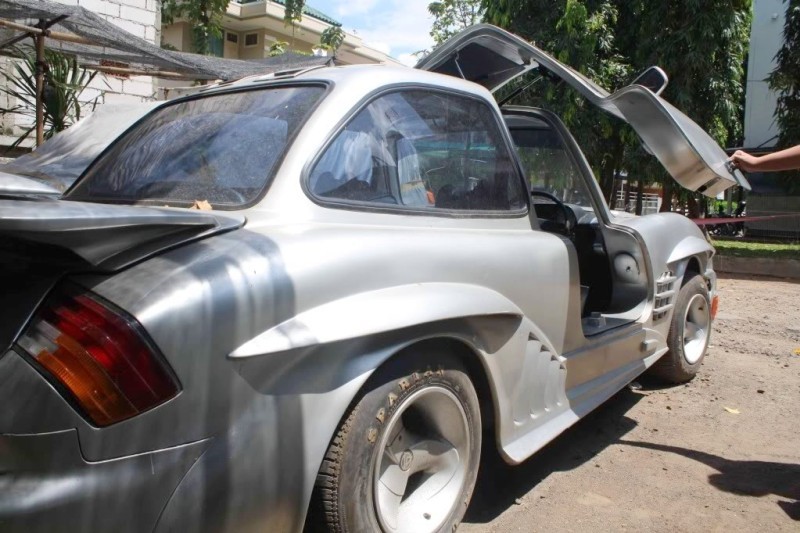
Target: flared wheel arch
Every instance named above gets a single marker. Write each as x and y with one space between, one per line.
475 369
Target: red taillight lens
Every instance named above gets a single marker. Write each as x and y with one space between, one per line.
99 355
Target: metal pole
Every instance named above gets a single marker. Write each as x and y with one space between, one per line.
139 72
33 30
39 39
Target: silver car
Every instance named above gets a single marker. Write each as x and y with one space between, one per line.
394 272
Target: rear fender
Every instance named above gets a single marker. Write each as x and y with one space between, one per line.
279 442
381 311
354 336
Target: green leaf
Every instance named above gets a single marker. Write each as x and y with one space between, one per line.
65 80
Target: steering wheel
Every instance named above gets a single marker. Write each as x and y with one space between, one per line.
565 226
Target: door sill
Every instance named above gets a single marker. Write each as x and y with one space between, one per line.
596 324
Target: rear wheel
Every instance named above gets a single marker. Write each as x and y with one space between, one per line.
689 333
406 456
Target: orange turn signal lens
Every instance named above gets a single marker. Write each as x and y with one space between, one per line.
100 356
714 307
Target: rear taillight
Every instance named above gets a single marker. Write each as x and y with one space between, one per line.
99 355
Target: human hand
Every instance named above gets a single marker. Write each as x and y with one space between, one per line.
744 161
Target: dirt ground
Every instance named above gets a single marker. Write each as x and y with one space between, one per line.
721 453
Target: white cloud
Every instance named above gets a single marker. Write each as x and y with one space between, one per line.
402 25
345 8
380 46
408 59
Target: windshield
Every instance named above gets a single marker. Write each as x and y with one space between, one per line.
221 149
551 171
549 166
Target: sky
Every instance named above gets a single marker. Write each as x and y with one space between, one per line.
396 27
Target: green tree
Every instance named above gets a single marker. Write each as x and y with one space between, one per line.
701 44
452 16
581 34
204 16
785 81
277 48
293 11
332 38
64 82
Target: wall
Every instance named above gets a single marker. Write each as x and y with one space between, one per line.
179 36
142 18
251 52
766 38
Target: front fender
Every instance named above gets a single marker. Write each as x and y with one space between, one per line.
671 240
691 246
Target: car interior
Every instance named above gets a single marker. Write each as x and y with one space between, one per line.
431 166
613 278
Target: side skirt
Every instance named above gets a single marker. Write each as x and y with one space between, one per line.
580 400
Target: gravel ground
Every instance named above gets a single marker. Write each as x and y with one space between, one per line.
717 454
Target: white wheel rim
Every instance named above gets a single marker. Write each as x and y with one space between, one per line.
696 329
422 465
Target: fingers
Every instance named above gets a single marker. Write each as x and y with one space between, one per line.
741 160
735 159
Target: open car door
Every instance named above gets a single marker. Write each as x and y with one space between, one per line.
492 57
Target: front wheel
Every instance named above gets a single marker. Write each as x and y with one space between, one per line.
406 456
689 333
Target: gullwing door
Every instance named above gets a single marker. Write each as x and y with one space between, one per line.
492 57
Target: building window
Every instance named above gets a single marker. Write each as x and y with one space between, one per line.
232 37
215 46
251 39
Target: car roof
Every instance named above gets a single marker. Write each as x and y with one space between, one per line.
360 78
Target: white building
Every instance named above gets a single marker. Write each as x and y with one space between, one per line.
250 27
760 128
766 38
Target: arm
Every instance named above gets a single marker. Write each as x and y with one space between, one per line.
787 159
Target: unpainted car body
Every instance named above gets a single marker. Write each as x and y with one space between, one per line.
274 318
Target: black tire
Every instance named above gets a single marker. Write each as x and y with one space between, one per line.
346 491
680 364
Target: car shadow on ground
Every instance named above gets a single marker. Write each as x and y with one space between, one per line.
500 485
746 478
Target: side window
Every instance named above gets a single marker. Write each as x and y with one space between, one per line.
421 149
548 165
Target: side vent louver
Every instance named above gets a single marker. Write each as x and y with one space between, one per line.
665 295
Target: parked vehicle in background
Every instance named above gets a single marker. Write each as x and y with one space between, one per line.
395 273
732 228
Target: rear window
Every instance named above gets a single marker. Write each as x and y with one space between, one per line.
222 149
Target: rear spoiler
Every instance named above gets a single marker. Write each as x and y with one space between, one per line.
101 237
12 185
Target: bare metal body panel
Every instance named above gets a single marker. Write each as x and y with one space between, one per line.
274 327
